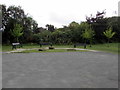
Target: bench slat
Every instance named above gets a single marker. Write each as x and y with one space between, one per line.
15 43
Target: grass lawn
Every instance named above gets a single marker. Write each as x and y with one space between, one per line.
113 47
0 47
25 46
29 46
51 50
6 48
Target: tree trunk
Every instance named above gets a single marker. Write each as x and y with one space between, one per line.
108 42
17 39
85 44
90 43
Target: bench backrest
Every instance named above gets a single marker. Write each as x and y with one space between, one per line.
15 43
79 44
44 43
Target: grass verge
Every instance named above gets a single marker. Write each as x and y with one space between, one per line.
111 47
53 50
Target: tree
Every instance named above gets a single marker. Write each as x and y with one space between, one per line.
10 16
17 31
13 15
109 34
99 16
88 33
50 27
45 36
73 24
39 30
98 24
74 29
114 22
29 27
3 17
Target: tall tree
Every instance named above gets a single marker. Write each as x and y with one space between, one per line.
50 27
88 33
11 16
109 34
3 16
29 27
114 22
99 24
17 32
75 32
98 16
73 24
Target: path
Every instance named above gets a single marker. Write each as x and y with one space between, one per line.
60 70
20 50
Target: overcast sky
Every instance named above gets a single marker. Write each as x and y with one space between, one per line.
62 12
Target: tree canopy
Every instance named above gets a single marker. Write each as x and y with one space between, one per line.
15 23
17 32
108 33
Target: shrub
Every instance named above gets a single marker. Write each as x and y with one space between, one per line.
51 47
41 49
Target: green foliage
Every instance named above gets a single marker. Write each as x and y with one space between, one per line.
73 24
88 33
84 25
61 37
108 33
101 47
45 36
36 38
113 47
50 27
17 31
73 33
13 15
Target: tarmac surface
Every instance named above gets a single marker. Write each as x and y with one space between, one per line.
60 70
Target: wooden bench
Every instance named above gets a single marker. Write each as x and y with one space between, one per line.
80 44
15 45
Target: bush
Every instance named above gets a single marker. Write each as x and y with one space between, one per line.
41 49
51 48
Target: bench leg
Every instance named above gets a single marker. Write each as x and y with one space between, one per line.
14 47
40 45
84 46
74 46
21 45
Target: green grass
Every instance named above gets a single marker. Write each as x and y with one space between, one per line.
51 50
63 46
6 48
113 47
25 46
30 46
0 47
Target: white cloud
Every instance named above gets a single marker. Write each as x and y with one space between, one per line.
62 12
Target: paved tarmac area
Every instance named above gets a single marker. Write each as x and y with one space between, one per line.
60 70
